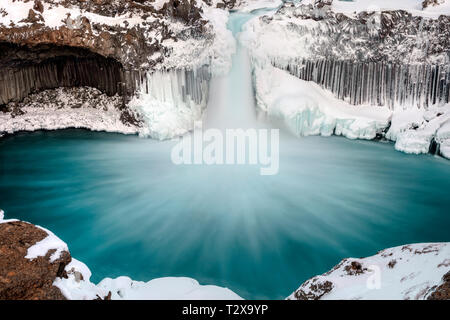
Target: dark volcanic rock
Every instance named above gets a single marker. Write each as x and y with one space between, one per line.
129 36
22 278
314 290
442 292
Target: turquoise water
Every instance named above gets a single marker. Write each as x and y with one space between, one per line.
125 209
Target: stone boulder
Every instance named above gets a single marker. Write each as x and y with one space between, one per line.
28 279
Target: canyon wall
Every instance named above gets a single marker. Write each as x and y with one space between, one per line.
387 57
376 83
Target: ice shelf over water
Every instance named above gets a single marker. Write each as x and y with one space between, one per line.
362 75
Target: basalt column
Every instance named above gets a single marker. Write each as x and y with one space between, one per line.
24 70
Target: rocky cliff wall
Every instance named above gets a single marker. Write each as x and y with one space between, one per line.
384 57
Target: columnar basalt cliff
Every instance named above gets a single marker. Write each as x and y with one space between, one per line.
387 275
114 46
36 265
372 57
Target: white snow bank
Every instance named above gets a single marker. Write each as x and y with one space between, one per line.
55 16
413 129
250 5
413 6
123 288
2 218
78 286
215 50
165 120
67 110
167 107
307 109
400 273
443 138
277 41
224 45
14 11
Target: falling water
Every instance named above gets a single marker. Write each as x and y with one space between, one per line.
231 101
125 209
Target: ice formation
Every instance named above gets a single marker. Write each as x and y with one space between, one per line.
170 102
309 110
394 63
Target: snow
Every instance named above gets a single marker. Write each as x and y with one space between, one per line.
78 286
214 50
124 288
2 218
40 249
443 138
170 102
250 5
65 111
413 129
224 45
309 110
14 10
158 4
266 42
56 15
400 273
180 288
51 242
413 6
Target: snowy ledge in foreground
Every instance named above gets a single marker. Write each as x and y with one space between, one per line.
416 271
77 285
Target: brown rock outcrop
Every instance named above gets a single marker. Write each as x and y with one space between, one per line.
22 278
133 34
442 292
131 45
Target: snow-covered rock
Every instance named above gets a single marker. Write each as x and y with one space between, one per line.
414 129
38 274
62 108
409 272
373 57
309 110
